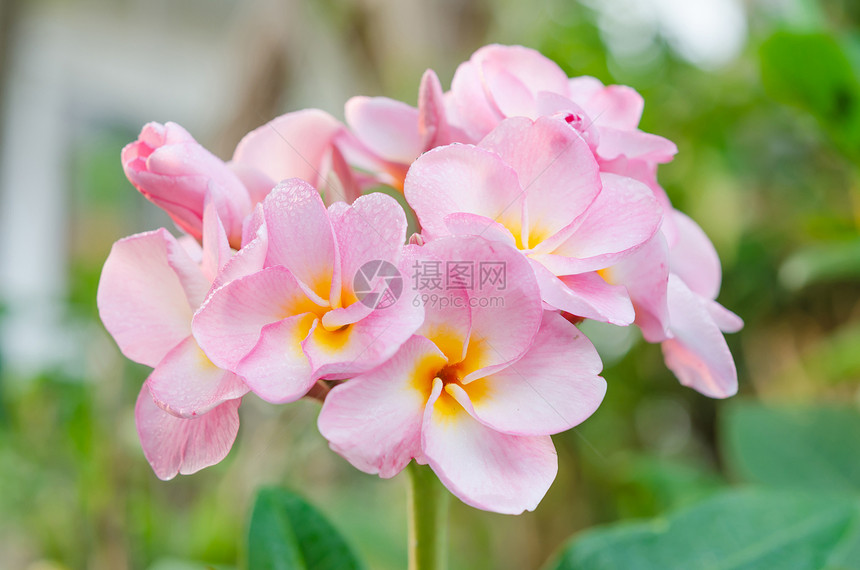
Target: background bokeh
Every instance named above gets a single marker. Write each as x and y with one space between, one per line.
769 165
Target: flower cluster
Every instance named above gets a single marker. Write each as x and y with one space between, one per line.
538 206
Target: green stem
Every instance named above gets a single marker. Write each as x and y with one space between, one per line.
428 520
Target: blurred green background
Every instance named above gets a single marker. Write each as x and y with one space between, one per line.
762 98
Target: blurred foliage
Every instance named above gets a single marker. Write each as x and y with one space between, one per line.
799 507
768 165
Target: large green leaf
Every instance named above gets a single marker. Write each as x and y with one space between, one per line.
810 448
286 533
812 71
735 530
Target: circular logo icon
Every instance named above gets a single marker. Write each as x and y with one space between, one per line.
378 284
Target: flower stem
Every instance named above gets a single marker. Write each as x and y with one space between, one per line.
428 520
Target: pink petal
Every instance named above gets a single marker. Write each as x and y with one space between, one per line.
478 116
173 171
645 274
463 224
585 295
143 301
530 68
291 146
228 325
693 257
635 145
621 218
388 127
256 182
216 248
372 230
616 106
365 344
176 445
727 321
698 353
504 298
556 170
187 384
432 117
553 387
582 89
300 236
374 420
447 317
463 178
482 467
277 369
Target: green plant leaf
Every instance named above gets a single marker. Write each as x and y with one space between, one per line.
734 530
286 533
811 448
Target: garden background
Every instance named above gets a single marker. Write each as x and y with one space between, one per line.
762 98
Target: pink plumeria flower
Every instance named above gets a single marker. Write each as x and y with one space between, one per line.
311 311
477 391
151 284
536 185
301 144
514 81
172 170
388 135
673 286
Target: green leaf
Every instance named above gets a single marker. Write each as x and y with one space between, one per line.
812 71
288 533
812 448
735 530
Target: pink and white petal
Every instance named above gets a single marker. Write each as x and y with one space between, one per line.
277 369
175 445
432 117
370 231
365 344
141 299
504 299
635 145
585 295
727 321
250 259
477 115
693 257
374 420
645 274
388 127
300 235
552 388
484 468
617 107
463 224
511 96
228 325
187 384
290 146
463 178
582 89
697 353
255 181
555 168
529 66
216 248
621 218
